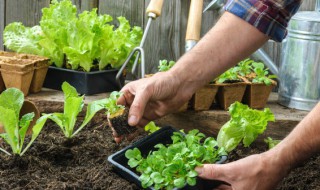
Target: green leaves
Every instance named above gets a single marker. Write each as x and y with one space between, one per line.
173 165
84 40
262 74
11 101
245 125
164 65
151 127
73 105
111 103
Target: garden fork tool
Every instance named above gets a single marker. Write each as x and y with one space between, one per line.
153 11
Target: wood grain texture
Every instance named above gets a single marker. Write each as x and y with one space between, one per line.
133 10
85 5
2 22
26 11
166 37
194 20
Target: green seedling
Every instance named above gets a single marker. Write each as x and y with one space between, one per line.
151 127
271 142
164 65
262 74
173 165
11 101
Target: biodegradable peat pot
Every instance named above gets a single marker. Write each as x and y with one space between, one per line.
203 98
17 74
87 83
146 145
257 94
41 65
229 93
27 107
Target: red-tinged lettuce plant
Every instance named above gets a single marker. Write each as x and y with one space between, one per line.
11 101
245 125
173 165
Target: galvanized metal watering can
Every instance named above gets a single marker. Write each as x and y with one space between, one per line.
299 71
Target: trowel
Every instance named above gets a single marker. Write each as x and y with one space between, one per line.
27 107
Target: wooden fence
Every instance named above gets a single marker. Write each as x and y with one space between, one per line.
166 38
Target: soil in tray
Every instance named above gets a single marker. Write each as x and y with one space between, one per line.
81 163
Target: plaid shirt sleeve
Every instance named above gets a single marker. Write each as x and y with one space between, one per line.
269 16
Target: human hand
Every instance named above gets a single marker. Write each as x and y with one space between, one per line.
153 97
256 172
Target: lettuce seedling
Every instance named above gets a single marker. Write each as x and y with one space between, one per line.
262 74
173 165
151 127
11 101
73 104
244 67
245 125
230 75
271 142
164 65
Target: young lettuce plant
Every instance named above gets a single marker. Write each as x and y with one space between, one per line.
73 104
173 165
230 75
245 125
118 115
164 65
151 127
11 101
262 74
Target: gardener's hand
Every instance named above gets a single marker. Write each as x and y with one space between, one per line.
256 172
152 98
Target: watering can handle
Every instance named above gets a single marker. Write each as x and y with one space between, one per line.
194 20
155 7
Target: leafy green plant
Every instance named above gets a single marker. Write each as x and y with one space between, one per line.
244 125
151 127
165 65
262 74
73 104
230 75
111 103
244 67
271 142
84 39
173 165
11 101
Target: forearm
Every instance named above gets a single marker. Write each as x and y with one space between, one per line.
300 144
228 42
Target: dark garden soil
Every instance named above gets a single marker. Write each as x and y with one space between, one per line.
81 163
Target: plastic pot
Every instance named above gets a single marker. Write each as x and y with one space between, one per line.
88 83
146 145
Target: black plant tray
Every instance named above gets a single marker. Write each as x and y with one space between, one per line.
87 83
146 145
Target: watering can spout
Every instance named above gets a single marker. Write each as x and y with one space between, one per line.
264 57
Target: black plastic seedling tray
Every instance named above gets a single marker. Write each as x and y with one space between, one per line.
146 145
87 83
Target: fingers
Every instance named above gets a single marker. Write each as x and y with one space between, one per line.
212 171
138 106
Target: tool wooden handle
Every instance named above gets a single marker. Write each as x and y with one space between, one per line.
194 20
155 7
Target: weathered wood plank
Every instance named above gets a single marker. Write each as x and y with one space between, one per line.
166 37
2 22
133 10
26 11
308 5
85 5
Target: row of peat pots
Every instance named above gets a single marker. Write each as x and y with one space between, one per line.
255 95
22 71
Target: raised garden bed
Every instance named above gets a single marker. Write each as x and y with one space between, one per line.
55 163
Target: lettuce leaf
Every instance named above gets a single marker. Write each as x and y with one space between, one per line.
11 101
23 39
245 125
